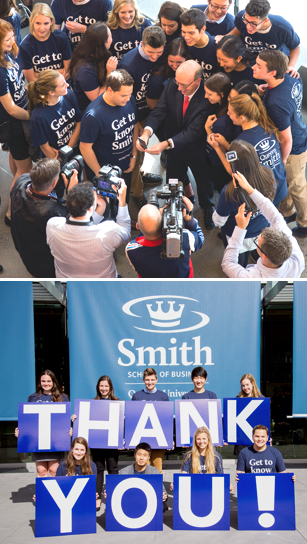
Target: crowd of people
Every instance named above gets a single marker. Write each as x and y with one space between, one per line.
201 458
102 79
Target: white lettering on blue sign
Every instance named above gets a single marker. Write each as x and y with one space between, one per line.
44 412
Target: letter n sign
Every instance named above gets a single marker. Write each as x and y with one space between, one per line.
134 503
201 502
65 506
266 502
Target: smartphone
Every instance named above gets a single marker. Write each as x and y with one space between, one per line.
142 143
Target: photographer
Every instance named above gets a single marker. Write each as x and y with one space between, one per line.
144 251
34 201
81 248
279 253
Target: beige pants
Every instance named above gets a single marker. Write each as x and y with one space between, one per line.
137 186
297 189
157 459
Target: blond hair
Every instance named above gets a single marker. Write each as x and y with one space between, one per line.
39 90
114 20
256 392
209 454
41 9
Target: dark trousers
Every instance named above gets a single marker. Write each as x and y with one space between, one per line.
177 165
102 458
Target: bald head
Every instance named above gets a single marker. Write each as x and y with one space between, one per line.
150 222
188 71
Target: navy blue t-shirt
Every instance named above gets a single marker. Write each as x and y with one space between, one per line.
85 80
284 106
86 14
35 397
215 29
125 39
187 464
199 396
224 126
156 86
260 462
205 56
281 35
110 129
12 80
15 21
144 395
237 76
229 209
55 124
62 469
268 151
140 69
46 55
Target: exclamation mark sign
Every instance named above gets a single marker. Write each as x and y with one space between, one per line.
266 499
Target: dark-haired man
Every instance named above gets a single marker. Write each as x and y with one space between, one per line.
199 377
34 202
218 19
201 45
279 253
283 101
260 458
81 247
260 31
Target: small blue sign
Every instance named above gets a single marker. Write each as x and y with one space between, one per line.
150 422
134 503
101 423
241 415
201 502
192 414
266 502
43 426
65 506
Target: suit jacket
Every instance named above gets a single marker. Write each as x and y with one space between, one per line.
188 132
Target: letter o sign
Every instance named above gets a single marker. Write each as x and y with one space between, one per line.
116 503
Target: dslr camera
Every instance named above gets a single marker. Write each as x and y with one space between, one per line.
172 225
67 165
108 176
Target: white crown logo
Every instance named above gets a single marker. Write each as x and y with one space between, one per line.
296 89
165 318
265 145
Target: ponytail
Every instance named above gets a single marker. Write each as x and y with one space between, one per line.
38 90
252 108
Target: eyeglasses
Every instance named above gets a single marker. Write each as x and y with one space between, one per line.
255 242
217 8
184 87
254 25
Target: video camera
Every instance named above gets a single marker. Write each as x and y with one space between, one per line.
232 157
172 226
108 176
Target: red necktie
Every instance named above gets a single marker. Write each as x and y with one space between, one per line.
185 105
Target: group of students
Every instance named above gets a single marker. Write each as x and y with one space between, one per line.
97 38
202 458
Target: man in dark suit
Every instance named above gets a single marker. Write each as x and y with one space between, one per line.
184 110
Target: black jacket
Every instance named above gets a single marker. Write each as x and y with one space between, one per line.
29 218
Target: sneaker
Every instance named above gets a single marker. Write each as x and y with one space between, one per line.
299 232
208 218
152 179
290 218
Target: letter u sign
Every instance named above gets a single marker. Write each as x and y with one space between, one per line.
210 508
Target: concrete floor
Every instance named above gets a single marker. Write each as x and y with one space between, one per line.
18 515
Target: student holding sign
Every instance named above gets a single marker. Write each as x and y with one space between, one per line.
260 458
249 388
78 462
199 377
151 393
202 459
48 390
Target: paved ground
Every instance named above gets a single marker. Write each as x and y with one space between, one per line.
17 515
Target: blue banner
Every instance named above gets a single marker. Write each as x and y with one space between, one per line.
17 346
192 414
44 426
150 422
299 408
65 505
241 416
266 502
100 423
120 328
201 502
134 503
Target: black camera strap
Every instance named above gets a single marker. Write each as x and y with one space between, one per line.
79 223
37 196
